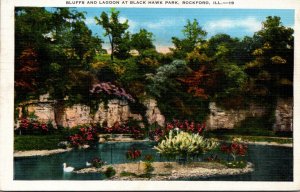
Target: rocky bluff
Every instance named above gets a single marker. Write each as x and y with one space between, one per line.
116 110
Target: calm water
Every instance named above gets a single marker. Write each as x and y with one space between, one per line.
271 163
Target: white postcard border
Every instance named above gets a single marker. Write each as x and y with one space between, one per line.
7 103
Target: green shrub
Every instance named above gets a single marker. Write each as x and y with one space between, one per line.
110 171
127 174
148 160
185 145
36 142
235 164
255 126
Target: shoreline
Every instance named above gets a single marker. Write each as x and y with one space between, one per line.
31 153
270 143
175 172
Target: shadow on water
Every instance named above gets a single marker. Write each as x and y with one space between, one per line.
271 163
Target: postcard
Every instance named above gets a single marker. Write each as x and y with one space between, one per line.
149 95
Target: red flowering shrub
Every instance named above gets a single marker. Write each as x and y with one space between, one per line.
28 126
157 134
85 136
97 162
118 128
236 148
148 158
133 154
186 126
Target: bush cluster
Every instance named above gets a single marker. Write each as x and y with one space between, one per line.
125 128
184 145
33 127
187 126
85 136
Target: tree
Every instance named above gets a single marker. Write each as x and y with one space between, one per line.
54 51
216 74
31 26
193 36
114 29
271 70
142 41
173 99
70 55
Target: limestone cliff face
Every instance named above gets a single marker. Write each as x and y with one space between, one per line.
284 115
47 110
153 113
116 111
220 118
228 119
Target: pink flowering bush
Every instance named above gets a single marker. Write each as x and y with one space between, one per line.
85 136
107 88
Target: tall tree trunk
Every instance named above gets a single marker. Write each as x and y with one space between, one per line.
112 47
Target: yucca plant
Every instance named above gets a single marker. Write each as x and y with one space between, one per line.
185 145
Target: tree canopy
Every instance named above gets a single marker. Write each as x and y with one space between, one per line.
57 53
116 32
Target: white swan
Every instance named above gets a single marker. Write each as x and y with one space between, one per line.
67 169
88 164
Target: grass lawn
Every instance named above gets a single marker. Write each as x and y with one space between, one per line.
257 129
36 142
280 140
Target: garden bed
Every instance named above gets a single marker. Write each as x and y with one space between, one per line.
170 170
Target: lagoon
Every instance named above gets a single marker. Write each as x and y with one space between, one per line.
271 163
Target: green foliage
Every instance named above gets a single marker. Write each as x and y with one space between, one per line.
142 41
193 36
57 53
271 71
148 168
109 172
37 142
185 145
255 126
173 100
127 174
235 164
163 81
149 60
115 30
63 49
234 79
232 49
